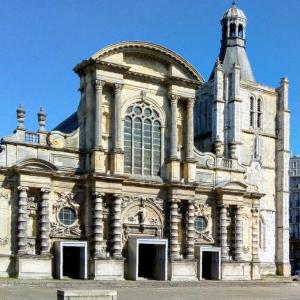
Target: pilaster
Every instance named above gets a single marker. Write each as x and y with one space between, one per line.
22 221
238 234
223 233
190 230
44 221
116 247
174 245
99 247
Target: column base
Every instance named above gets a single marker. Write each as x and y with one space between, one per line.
283 269
189 171
255 271
99 161
117 163
174 173
6 267
107 269
182 270
34 267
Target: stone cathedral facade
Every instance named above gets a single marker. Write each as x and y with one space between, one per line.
158 174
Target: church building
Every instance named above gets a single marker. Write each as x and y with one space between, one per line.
158 174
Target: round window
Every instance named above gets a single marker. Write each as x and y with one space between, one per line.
200 224
67 216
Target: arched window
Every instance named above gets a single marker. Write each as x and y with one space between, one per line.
259 113
252 111
142 140
232 30
241 31
255 113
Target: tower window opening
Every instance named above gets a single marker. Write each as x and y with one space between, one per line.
232 30
241 31
255 113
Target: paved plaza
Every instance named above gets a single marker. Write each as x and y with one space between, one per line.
161 291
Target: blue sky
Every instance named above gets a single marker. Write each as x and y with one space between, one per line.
41 42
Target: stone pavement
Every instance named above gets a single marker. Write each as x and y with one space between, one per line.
152 290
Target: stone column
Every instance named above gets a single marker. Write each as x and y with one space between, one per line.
238 234
174 245
99 84
255 234
89 103
190 230
44 221
223 233
116 246
22 220
118 131
190 129
174 136
99 251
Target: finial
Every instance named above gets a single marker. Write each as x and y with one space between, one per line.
234 2
42 120
21 117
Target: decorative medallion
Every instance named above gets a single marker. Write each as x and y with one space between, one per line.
203 219
3 241
66 211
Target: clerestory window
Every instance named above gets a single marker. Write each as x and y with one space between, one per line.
142 140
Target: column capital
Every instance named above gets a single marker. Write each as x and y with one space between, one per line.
45 190
98 194
174 200
223 206
99 84
23 188
174 98
118 87
190 102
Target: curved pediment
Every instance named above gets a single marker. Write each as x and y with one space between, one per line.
144 57
36 164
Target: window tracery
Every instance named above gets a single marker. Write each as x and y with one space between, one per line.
142 140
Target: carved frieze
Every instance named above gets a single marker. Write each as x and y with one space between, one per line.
60 229
205 236
32 206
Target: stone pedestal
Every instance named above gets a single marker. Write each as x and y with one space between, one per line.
108 269
283 269
236 270
117 163
189 171
98 161
182 270
255 271
34 267
174 170
5 265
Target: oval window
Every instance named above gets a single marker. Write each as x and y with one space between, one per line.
67 216
200 224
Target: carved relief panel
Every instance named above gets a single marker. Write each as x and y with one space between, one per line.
142 216
66 212
4 220
203 224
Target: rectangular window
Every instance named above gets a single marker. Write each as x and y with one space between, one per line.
31 137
